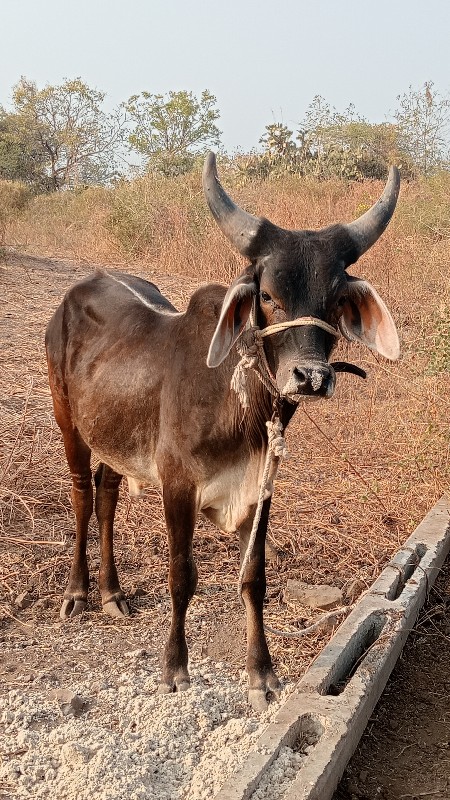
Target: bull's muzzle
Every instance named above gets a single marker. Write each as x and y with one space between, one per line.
310 379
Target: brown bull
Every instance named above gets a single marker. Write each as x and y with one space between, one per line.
149 390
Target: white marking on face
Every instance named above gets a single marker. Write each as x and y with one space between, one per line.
316 380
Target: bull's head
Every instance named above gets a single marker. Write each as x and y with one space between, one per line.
296 274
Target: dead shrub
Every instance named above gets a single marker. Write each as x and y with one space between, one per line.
14 196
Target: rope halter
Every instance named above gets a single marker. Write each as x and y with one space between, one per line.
297 323
251 349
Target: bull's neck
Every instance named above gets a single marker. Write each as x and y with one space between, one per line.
250 421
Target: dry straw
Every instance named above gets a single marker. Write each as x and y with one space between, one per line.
363 468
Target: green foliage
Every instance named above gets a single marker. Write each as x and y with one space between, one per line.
327 138
328 144
422 120
278 143
14 196
169 131
355 150
19 161
58 135
345 145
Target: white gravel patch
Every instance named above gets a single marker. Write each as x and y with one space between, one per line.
129 743
278 778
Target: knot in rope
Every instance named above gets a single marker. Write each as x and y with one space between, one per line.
277 442
250 348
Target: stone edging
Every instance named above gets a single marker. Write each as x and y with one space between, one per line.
334 699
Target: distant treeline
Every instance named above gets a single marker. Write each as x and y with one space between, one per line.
61 136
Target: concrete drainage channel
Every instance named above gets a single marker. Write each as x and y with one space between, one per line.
332 703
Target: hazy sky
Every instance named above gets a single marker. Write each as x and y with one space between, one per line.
264 61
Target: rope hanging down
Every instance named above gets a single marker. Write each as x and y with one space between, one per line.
251 349
276 449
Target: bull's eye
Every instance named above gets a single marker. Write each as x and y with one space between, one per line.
266 298
342 301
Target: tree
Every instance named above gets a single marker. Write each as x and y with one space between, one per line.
345 144
63 132
170 131
19 162
277 140
281 152
423 122
330 144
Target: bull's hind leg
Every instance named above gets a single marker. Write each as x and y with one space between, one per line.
263 682
107 484
180 512
79 460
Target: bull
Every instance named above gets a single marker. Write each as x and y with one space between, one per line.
181 401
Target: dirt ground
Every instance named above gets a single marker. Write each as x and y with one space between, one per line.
336 531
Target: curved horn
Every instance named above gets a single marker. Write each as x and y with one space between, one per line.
238 226
368 228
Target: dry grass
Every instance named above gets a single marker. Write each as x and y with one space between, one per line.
363 468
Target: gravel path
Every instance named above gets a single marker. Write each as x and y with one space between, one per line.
118 740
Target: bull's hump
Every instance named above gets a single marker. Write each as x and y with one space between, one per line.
145 293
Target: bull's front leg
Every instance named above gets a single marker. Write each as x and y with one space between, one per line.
180 511
263 682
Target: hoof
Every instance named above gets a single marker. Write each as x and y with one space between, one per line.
165 688
117 609
259 699
71 607
176 686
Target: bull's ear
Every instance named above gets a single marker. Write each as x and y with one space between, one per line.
367 319
235 312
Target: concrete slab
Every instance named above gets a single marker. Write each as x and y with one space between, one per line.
333 701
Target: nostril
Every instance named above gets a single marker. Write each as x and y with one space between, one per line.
327 382
314 379
301 376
